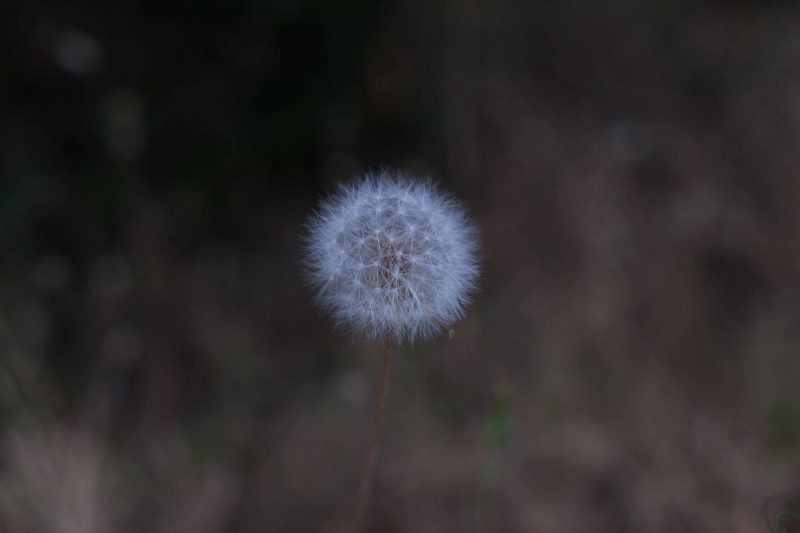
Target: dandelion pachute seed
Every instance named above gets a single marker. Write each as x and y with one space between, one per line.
392 257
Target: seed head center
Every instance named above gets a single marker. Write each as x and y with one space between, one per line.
392 261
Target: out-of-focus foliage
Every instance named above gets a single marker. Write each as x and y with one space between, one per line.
630 364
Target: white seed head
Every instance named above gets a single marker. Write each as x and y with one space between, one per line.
392 257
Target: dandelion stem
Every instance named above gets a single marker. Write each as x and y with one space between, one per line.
368 475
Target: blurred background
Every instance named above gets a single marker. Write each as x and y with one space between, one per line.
630 363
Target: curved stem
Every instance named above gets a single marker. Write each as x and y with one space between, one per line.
373 441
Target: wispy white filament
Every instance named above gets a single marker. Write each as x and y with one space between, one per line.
392 257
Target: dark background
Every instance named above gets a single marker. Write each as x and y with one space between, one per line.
630 363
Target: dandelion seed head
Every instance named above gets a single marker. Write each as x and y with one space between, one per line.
392 257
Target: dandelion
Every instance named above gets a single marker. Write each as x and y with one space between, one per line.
391 258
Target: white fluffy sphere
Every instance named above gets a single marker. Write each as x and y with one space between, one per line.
392 258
